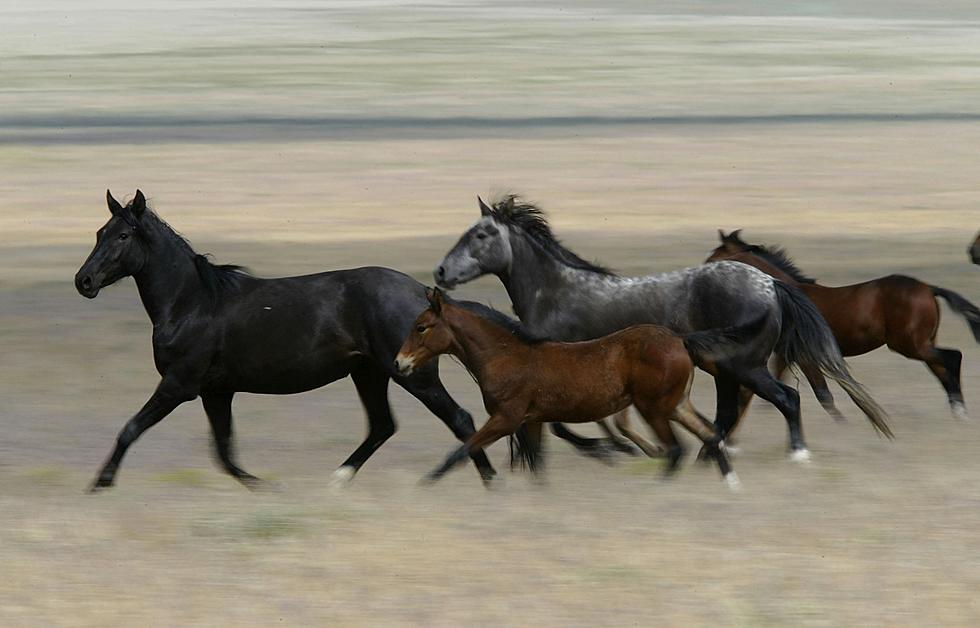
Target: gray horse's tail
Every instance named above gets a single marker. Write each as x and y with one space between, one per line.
962 307
806 340
714 345
524 452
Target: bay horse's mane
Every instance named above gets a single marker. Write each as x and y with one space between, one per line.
215 277
513 210
775 255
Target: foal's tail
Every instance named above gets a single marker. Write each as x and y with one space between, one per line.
962 307
715 345
806 339
524 451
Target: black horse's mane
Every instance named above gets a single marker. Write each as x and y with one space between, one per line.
215 277
511 209
775 255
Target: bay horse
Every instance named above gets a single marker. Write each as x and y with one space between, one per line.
896 311
526 382
218 330
974 250
557 294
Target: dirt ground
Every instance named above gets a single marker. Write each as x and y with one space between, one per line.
870 533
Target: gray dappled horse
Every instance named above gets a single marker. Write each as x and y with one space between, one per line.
559 295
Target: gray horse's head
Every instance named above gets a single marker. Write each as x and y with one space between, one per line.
483 249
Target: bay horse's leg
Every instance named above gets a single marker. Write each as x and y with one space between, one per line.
495 428
168 395
372 387
622 419
218 408
820 389
945 365
434 396
786 400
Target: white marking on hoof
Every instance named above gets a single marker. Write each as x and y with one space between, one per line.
800 455
959 411
731 450
343 476
731 479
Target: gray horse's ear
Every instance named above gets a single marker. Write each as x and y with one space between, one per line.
484 208
509 206
138 206
114 207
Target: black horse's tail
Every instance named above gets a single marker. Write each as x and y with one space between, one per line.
806 339
524 451
962 307
719 344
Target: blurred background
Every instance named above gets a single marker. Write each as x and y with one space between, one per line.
301 136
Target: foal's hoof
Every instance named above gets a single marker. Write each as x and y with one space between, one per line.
342 477
602 454
801 456
837 415
624 448
959 411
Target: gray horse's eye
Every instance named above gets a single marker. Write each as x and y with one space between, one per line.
481 236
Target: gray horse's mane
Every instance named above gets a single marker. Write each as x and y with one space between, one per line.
512 210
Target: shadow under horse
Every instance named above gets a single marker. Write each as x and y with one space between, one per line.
218 330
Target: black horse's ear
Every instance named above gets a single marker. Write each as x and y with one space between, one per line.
484 208
138 206
114 207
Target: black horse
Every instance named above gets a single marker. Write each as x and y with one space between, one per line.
218 330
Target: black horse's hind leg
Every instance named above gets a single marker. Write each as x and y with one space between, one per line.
786 400
168 395
218 408
372 387
434 396
592 447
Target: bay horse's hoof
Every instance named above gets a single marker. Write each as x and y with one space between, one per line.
801 456
959 411
342 477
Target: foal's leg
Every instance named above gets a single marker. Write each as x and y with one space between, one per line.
592 447
659 421
495 428
615 441
169 394
218 408
372 387
623 425
429 390
713 446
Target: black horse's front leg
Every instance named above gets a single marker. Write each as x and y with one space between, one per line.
169 394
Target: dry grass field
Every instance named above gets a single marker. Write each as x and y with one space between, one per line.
870 533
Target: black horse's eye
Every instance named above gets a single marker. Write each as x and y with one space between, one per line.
123 235
421 329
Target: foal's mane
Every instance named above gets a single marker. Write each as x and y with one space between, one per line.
215 277
514 326
775 255
515 211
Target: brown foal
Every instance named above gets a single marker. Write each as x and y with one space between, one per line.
897 311
532 382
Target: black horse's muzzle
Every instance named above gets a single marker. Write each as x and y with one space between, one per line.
86 285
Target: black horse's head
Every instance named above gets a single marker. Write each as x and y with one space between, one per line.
118 252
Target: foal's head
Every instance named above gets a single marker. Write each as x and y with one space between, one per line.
118 252
731 244
430 336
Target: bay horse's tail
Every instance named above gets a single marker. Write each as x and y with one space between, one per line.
806 339
962 307
524 451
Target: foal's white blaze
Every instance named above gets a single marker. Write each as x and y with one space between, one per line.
343 476
800 455
405 364
959 411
